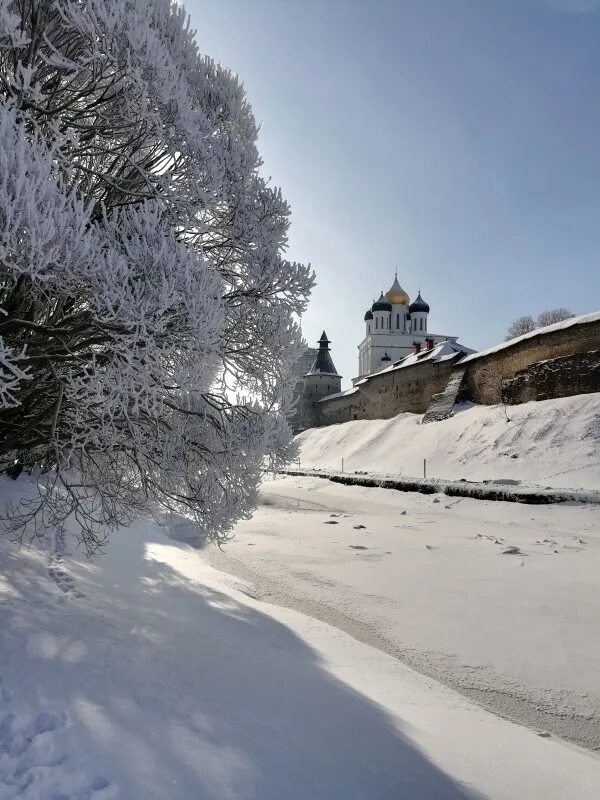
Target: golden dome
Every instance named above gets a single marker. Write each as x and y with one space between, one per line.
396 294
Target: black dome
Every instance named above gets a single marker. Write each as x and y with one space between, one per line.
381 304
419 305
368 315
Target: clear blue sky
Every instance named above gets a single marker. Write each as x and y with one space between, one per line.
456 139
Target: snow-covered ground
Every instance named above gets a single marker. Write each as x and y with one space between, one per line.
427 579
552 443
146 673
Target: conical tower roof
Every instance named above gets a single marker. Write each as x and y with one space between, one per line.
323 364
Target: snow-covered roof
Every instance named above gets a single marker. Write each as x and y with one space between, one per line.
557 326
443 351
339 394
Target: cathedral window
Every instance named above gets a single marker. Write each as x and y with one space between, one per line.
377 322
397 320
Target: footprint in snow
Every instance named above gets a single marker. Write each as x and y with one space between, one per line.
33 758
65 582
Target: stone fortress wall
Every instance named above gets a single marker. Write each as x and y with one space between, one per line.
559 361
519 371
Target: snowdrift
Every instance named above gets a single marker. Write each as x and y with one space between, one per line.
552 443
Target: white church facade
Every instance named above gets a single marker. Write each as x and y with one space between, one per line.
395 328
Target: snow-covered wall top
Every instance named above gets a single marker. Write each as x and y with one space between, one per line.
567 323
353 390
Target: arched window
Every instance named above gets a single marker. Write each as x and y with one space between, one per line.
377 322
421 323
369 328
398 320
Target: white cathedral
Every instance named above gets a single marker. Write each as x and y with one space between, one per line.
394 328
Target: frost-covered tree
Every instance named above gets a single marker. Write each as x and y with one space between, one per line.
519 327
147 308
552 316
527 324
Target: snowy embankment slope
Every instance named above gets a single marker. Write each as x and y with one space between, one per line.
147 674
551 443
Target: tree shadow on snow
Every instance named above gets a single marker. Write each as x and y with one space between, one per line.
177 691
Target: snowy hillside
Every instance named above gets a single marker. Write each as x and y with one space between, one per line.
552 443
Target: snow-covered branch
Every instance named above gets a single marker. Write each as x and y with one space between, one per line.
143 275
